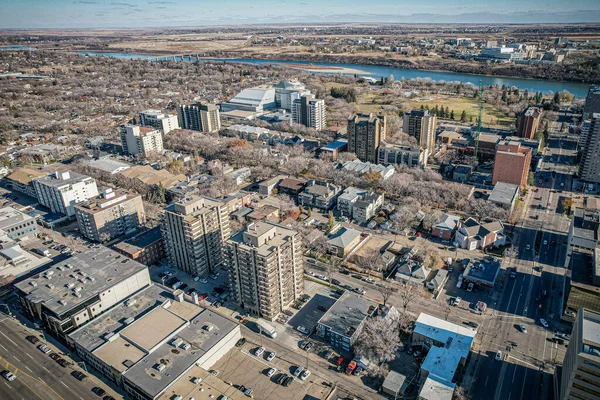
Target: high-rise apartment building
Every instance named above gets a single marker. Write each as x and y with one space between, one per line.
199 117
109 215
512 163
61 191
580 375
589 167
309 112
141 140
421 125
365 133
529 122
194 231
265 268
158 120
287 91
592 102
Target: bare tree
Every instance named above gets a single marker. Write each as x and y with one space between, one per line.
369 261
407 294
386 292
284 204
379 340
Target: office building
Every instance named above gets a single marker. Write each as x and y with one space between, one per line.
589 167
199 117
580 375
110 214
421 125
61 191
288 91
343 322
529 122
402 155
194 230
512 163
158 120
77 290
265 268
147 247
17 225
141 140
154 341
365 133
500 54
309 112
592 102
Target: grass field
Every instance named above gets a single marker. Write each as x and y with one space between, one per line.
491 115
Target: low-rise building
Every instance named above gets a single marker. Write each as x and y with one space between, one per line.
109 165
61 191
43 153
110 214
504 195
16 263
474 235
343 322
362 168
149 341
445 227
17 225
359 204
152 177
80 288
483 272
318 194
267 186
240 175
343 242
21 180
402 155
291 187
335 148
190 186
412 272
146 248
462 173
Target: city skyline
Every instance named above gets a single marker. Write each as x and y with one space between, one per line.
69 14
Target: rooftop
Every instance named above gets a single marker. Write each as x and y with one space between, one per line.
93 272
140 241
10 216
25 175
108 198
447 222
293 184
151 176
590 331
504 193
63 178
109 165
365 167
585 223
348 312
335 145
485 271
343 238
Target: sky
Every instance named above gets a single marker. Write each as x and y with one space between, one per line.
23 14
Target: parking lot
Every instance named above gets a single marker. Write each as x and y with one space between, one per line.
313 310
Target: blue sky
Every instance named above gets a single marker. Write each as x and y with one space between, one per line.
160 13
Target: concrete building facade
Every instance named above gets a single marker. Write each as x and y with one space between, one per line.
141 140
421 125
61 191
110 214
199 117
158 120
592 102
529 122
194 230
309 112
589 168
265 268
365 133
16 224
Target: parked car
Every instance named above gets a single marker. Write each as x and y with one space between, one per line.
249 392
64 363
522 328
33 339
99 391
288 381
259 351
336 282
302 329
270 372
240 342
321 308
44 349
473 324
328 354
203 296
543 322
55 356
78 375
498 355
456 301
298 370
282 379
309 346
9 376
305 375
271 356
357 371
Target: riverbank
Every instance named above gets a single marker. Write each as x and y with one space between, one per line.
325 69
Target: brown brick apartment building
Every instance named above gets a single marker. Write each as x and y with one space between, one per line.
512 164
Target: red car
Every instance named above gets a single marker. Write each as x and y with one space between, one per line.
203 296
55 356
339 361
321 308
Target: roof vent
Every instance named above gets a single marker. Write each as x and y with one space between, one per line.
109 335
130 302
50 286
32 283
62 302
70 285
160 367
177 342
129 320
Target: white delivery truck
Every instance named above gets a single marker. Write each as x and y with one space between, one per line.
265 328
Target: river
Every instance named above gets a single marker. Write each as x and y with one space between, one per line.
532 85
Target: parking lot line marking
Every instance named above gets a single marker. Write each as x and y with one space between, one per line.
7 384
46 369
64 384
7 338
486 380
28 369
514 374
4 347
29 355
17 358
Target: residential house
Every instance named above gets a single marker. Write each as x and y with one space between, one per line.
445 227
461 173
291 187
412 272
343 242
474 235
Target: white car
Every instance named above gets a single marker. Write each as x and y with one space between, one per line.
302 329
44 349
271 372
498 356
545 242
9 376
311 273
305 375
259 351
271 356
298 370
196 279
203 280
528 247
457 301
543 322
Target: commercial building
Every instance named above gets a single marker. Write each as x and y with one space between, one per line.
61 191
257 100
265 268
110 214
158 120
318 194
589 168
21 180
504 195
147 248
402 155
449 346
512 164
17 225
109 165
583 230
80 288
362 168
484 272
365 133
580 374
529 122
500 54
309 112
592 102
141 140
343 322
152 177
359 204
150 341
199 117
17 263
194 230
421 125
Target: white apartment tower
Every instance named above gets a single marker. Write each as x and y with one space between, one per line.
158 120
265 268
194 230
199 117
61 191
309 112
421 125
141 140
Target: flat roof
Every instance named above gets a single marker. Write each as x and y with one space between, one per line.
483 271
210 386
504 193
335 145
99 269
152 328
10 216
346 314
52 180
109 165
119 354
140 241
25 175
101 203
590 331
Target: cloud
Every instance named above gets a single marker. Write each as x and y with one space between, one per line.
162 2
85 2
114 3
